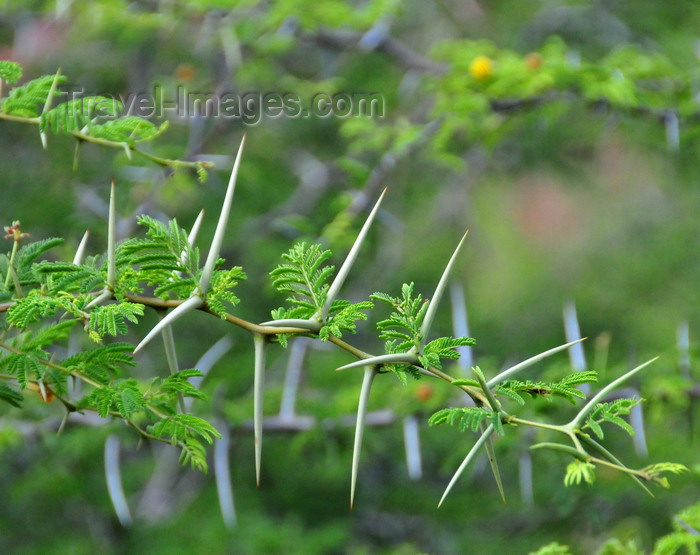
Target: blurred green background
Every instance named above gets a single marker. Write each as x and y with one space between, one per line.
571 196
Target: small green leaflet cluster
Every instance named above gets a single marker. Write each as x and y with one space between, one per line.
686 533
112 319
566 388
305 277
684 538
27 100
23 268
610 412
10 71
578 471
95 118
402 332
29 358
220 292
127 399
59 296
165 261
467 418
654 471
43 303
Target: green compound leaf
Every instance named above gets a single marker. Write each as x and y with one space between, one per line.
124 397
405 319
194 454
654 471
579 471
220 292
444 347
27 100
467 418
79 113
610 412
130 130
181 427
102 363
566 388
112 319
305 277
343 316
163 259
10 396
10 71
176 384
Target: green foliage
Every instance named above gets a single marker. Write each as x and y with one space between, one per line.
130 130
403 334
169 388
443 347
32 308
483 79
29 99
94 119
123 397
565 388
23 367
183 430
182 426
10 71
654 471
467 418
102 363
220 292
554 548
9 395
19 267
112 319
402 328
343 316
686 534
63 277
305 277
78 114
611 412
578 471
163 259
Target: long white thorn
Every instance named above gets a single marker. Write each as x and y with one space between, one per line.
349 260
192 237
190 304
218 239
258 398
503 376
111 240
47 104
598 397
80 251
472 453
390 358
367 380
439 290
171 357
114 481
224 488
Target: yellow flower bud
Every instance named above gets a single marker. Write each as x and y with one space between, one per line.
481 67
